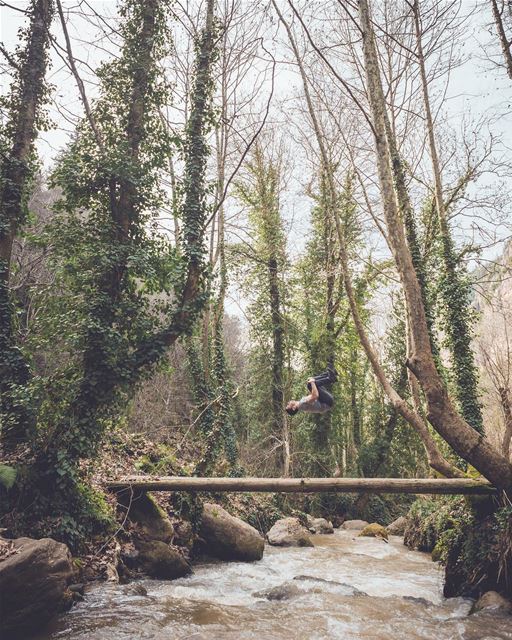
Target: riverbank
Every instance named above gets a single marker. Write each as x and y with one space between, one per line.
471 538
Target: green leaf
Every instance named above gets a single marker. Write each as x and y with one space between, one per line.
7 476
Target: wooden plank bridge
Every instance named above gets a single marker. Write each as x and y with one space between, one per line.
462 486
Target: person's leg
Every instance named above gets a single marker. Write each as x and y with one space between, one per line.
325 397
327 377
333 374
322 379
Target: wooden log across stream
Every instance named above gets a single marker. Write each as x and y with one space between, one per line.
465 486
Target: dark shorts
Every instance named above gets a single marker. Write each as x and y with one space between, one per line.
324 396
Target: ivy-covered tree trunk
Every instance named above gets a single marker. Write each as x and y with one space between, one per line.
120 335
192 292
354 401
274 261
100 373
260 193
455 286
221 374
325 287
203 393
442 414
411 231
213 397
216 390
278 363
17 416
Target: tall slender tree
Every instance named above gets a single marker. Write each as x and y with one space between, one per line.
260 193
455 284
442 413
23 107
323 280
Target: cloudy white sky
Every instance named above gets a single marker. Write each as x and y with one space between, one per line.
477 90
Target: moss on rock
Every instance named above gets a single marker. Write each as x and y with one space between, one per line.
374 530
149 515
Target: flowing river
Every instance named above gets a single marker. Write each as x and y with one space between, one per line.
345 587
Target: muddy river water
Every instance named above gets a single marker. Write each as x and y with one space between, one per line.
345 588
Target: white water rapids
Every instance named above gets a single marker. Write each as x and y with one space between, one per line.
345 588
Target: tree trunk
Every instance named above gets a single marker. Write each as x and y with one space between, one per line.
215 371
455 291
280 426
193 294
354 404
325 348
506 406
124 213
406 209
17 416
504 41
442 414
461 486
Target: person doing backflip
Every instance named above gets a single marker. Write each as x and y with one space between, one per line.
319 400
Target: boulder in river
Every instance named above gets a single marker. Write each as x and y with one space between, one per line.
289 532
341 588
158 560
397 527
281 592
135 589
492 601
184 534
354 524
320 525
34 580
147 513
374 530
229 538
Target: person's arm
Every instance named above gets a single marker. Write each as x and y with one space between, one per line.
314 395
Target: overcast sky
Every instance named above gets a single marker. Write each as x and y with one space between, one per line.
477 89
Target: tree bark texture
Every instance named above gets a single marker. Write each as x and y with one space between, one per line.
442 414
505 43
18 418
463 486
455 291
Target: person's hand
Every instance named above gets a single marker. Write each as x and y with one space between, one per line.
311 380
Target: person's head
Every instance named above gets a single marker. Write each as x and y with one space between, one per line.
292 407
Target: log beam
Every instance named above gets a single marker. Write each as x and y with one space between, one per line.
463 486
